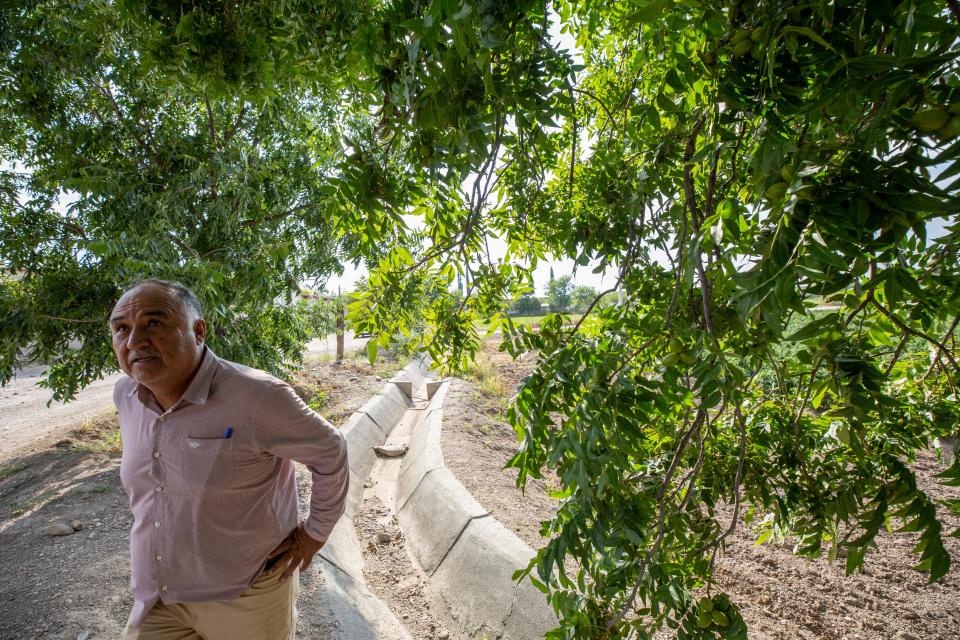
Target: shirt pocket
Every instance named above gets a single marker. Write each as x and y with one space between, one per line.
206 462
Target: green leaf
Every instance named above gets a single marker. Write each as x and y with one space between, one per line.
814 328
810 33
651 10
951 475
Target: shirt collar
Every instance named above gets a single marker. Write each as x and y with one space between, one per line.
199 389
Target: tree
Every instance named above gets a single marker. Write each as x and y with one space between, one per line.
527 305
775 153
180 158
581 298
317 313
733 162
558 294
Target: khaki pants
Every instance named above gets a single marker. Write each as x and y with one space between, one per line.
265 611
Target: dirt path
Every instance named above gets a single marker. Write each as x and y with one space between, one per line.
62 588
782 596
28 425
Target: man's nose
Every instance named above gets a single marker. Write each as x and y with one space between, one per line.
137 337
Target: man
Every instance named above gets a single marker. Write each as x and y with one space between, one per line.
208 451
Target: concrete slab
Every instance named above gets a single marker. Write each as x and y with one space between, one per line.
362 434
343 549
415 372
355 612
426 432
313 605
468 556
530 616
405 386
435 387
397 396
437 511
475 585
424 456
386 408
356 423
358 613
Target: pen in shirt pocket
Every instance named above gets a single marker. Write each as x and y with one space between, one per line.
228 433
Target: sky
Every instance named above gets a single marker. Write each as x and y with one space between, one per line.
583 276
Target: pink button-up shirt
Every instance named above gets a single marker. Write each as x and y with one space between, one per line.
211 481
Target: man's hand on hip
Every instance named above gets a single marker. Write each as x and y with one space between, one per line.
295 552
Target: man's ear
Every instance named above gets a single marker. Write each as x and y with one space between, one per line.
200 330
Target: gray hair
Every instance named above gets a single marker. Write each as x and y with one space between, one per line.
180 290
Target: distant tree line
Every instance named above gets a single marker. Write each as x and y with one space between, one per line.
561 296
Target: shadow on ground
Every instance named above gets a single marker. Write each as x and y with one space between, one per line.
60 586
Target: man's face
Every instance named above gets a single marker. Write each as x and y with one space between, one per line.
156 339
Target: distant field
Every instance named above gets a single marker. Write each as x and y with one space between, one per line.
530 320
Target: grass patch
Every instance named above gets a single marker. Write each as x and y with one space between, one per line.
385 365
100 434
386 368
529 321
485 375
12 468
318 400
312 394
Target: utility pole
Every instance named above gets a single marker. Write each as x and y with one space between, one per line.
341 322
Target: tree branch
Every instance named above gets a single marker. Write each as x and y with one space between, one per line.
213 136
947 336
213 147
70 320
105 92
183 245
905 327
706 286
897 353
688 171
592 305
597 100
661 516
627 263
232 131
711 184
252 222
573 140
734 158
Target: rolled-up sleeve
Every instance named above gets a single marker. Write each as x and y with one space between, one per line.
287 428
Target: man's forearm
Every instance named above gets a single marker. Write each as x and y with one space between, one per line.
328 499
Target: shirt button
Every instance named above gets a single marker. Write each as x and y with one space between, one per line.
159 557
163 588
156 523
158 489
156 454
